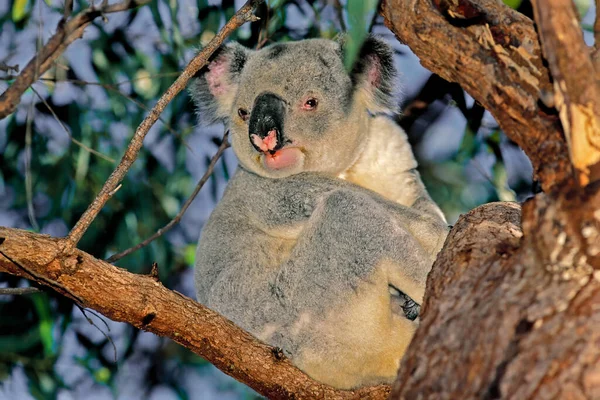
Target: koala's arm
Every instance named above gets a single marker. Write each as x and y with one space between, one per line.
387 166
292 221
283 206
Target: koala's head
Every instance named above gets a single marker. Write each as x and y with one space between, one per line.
292 107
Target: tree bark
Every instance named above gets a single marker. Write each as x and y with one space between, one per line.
575 89
510 314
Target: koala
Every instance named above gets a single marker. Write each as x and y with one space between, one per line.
324 237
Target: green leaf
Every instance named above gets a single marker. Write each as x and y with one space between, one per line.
19 10
583 6
189 254
42 306
360 14
102 375
514 4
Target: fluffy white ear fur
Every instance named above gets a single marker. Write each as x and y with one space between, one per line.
215 86
374 77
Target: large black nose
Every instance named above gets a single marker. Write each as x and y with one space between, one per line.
267 116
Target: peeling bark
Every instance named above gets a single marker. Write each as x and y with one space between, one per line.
575 88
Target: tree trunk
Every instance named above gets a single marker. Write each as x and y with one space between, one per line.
511 313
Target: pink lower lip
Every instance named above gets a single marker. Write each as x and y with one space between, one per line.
283 158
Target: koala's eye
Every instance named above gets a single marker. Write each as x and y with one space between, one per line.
310 104
243 113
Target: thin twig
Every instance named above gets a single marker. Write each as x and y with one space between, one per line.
7 68
77 142
105 334
597 27
224 145
68 9
19 291
66 33
243 15
28 177
339 10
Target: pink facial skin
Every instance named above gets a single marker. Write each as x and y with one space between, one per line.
283 158
214 78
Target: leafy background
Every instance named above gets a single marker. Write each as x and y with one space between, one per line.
73 125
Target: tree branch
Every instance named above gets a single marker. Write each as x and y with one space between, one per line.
18 291
8 68
510 314
493 52
575 88
146 304
66 33
243 15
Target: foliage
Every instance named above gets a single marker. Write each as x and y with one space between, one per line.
94 98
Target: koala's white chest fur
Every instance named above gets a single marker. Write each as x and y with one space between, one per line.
386 163
387 166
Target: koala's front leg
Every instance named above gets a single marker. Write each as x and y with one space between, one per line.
347 237
347 328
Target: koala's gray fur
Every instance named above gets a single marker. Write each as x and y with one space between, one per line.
325 235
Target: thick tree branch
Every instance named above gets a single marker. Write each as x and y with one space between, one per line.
575 88
66 33
243 15
510 314
146 304
493 52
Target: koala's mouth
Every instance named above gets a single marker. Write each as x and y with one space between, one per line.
274 156
284 158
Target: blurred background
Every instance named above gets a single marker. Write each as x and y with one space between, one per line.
73 125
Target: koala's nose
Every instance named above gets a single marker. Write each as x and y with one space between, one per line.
266 122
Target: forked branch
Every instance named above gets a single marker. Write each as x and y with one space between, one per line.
493 52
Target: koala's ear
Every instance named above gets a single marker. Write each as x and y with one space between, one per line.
214 87
374 75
